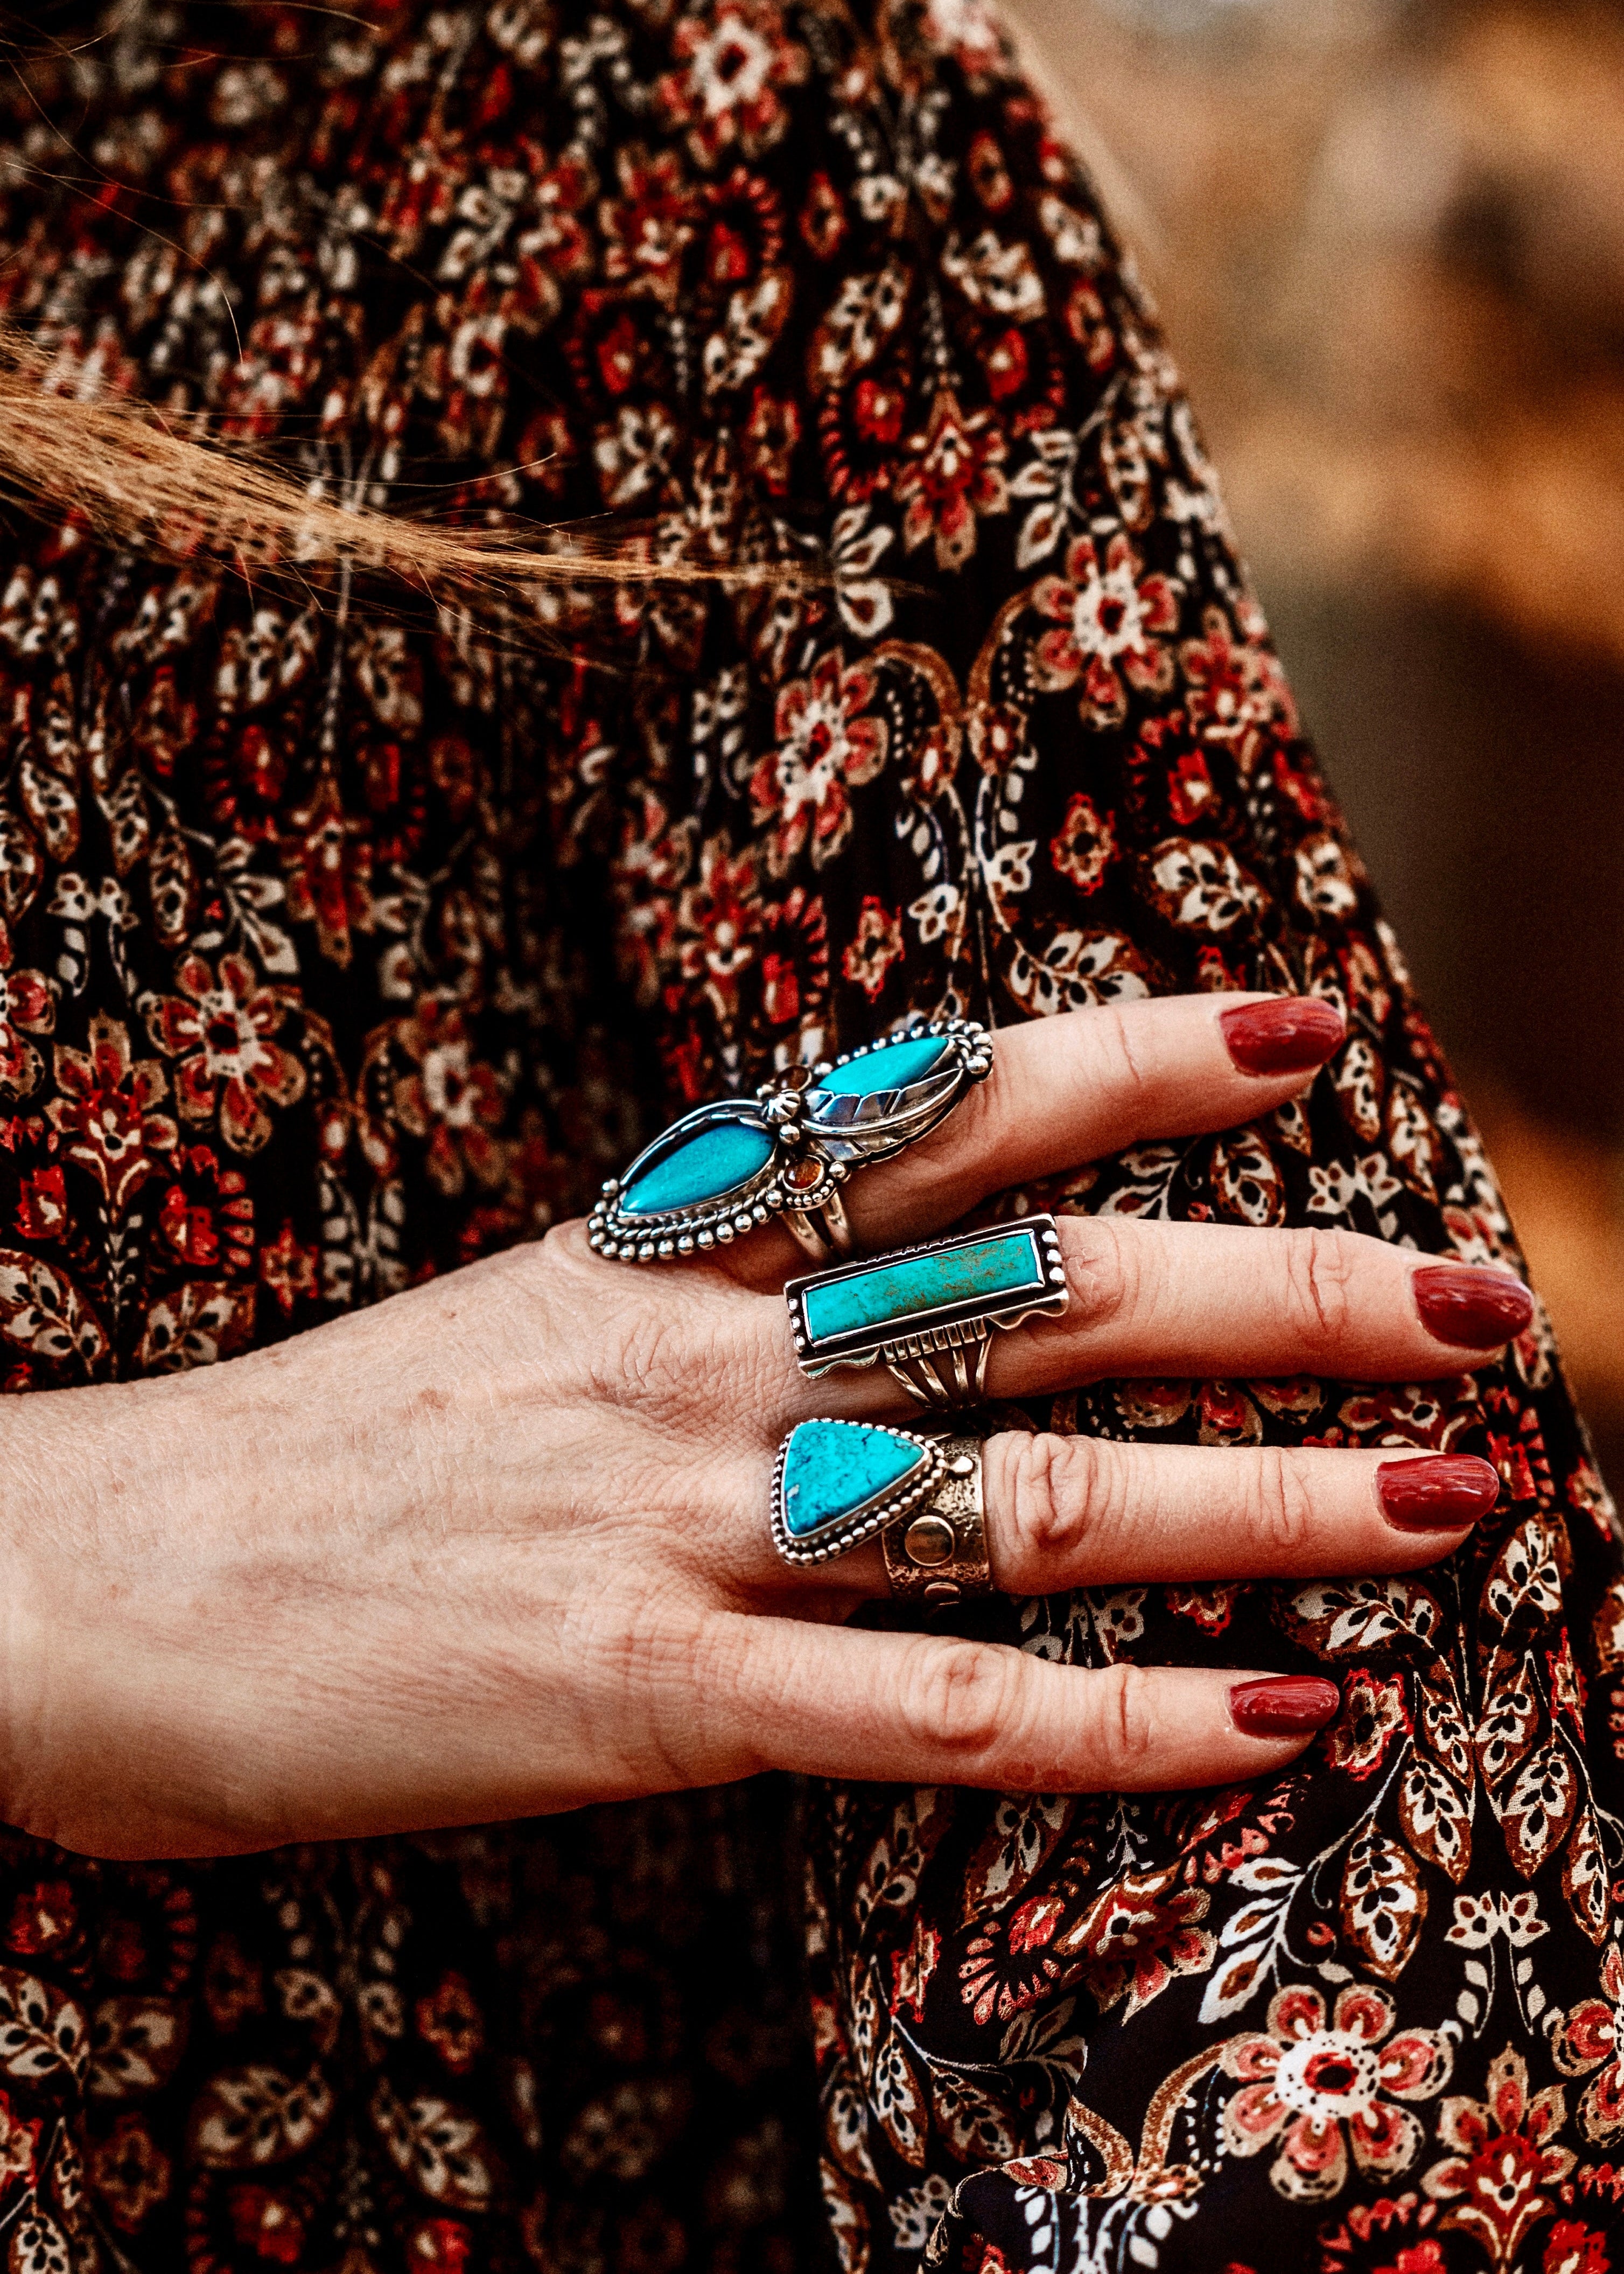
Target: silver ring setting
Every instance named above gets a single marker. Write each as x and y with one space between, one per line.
838 1483
938 1557
928 1312
737 1163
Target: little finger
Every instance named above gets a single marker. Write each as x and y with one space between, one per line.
927 1709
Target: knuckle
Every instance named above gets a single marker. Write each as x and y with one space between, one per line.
1118 1060
634 1361
1320 1271
1041 1506
1280 1511
662 1360
1066 1490
565 1243
957 1697
1105 1270
1125 1722
648 1670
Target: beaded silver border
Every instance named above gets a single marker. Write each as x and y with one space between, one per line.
955 1326
873 1516
836 1140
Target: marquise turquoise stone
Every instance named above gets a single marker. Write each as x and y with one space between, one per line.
715 1161
894 1065
832 1469
889 1294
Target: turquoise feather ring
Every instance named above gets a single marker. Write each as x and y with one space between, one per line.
838 1483
928 1312
738 1163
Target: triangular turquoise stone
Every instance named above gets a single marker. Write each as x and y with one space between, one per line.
831 1469
715 1161
894 1065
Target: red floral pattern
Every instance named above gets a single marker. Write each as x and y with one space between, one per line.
1113 621
1313 2088
220 1028
827 748
1589 2042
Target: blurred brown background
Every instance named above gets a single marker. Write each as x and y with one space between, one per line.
1387 241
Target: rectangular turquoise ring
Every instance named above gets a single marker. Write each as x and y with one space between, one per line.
927 1313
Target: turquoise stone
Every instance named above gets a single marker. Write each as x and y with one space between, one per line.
831 1469
712 1163
895 1066
890 1293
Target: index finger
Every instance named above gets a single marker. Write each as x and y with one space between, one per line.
1069 1089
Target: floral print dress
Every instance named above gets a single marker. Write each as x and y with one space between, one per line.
341 943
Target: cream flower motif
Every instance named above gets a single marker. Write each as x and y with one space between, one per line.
827 746
1316 2088
734 58
1112 626
220 1028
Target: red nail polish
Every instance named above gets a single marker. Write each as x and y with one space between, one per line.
1473 1308
1283 1705
1436 1495
1288 1036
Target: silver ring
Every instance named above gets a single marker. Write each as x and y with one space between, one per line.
927 1313
738 1163
938 1556
838 1483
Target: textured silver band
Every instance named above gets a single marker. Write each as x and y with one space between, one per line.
938 1556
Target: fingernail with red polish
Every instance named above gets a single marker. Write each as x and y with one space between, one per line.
1283 1705
1474 1309
1288 1035
1436 1495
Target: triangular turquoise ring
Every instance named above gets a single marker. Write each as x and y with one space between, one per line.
838 1483
739 1162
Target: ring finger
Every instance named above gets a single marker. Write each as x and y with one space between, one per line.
1064 1512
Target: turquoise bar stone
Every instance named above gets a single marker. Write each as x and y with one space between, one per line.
893 1067
833 1468
711 1165
891 1293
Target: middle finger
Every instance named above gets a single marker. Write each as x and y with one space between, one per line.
1211 1301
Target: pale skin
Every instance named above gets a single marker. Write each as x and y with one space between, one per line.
499 1545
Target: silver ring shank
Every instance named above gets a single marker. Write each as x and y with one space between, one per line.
821 1233
923 1562
943 1371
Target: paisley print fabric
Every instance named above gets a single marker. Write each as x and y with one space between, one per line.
344 940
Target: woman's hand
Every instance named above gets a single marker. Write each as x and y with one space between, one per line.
500 1545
